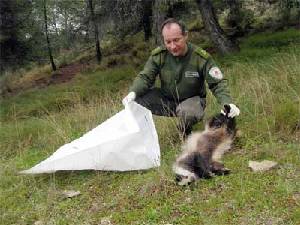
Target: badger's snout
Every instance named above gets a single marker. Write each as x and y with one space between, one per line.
184 180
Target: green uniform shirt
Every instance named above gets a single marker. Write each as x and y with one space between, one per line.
182 77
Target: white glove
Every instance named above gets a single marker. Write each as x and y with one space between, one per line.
234 111
129 98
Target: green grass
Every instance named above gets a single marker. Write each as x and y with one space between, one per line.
263 81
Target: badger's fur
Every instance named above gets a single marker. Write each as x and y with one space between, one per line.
202 151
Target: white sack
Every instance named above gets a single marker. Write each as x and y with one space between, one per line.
126 141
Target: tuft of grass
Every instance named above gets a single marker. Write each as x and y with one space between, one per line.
16 81
287 117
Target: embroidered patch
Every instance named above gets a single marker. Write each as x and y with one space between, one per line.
216 73
191 74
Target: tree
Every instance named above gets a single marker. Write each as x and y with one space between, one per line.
47 37
160 13
146 18
285 10
15 19
98 51
239 19
127 16
218 37
234 16
73 20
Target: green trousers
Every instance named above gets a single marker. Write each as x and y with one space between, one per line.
190 111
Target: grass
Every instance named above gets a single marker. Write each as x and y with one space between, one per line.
264 83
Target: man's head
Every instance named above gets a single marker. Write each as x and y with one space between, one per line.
174 36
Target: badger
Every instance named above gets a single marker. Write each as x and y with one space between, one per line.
202 151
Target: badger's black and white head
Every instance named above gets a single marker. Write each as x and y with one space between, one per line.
222 121
183 176
190 167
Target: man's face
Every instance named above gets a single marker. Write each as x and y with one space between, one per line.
174 40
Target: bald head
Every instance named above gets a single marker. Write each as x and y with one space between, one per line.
169 21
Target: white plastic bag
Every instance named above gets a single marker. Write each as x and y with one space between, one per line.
126 141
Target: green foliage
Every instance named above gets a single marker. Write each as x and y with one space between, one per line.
239 18
196 25
17 33
263 46
272 40
132 51
246 19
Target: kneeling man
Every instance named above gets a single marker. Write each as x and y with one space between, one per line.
183 69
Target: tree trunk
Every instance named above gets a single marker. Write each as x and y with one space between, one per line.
47 38
159 15
146 18
86 23
67 30
98 51
218 37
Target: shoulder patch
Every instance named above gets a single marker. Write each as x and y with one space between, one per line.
202 53
216 73
158 50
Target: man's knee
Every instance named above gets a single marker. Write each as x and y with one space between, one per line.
157 103
141 101
191 109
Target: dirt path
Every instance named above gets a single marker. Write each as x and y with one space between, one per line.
62 75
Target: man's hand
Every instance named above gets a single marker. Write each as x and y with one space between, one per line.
129 98
233 112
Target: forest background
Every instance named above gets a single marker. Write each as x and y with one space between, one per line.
66 65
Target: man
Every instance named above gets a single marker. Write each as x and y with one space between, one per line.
183 69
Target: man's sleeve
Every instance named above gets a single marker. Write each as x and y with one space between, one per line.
146 78
216 82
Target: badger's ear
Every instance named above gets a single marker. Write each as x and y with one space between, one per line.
227 110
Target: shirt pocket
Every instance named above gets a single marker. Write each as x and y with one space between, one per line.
191 77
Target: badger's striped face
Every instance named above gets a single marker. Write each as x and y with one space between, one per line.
220 121
184 176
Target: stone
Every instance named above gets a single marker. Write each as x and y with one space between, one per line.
264 165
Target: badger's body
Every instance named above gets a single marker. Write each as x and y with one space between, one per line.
202 151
